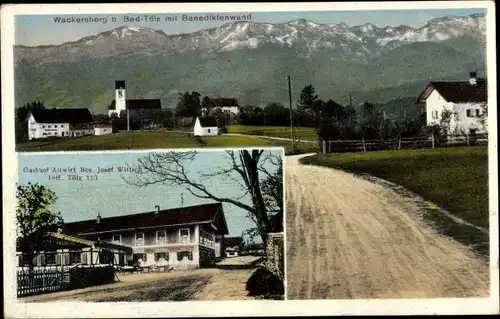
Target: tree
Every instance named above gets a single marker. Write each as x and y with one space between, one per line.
371 122
34 217
189 105
483 117
245 168
306 100
207 105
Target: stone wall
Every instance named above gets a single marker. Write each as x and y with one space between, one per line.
275 254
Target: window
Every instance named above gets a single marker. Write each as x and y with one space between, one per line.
77 134
184 254
161 237
117 238
49 126
469 112
120 93
43 126
435 114
139 239
50 258
208 130
75 257
162 255
62 125
184 235
139 257
477 112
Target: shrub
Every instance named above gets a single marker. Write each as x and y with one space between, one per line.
264 282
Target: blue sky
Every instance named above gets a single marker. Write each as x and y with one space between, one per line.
110 195
42 30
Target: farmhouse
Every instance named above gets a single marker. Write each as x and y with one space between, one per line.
232 246
180 238
205 126
464 99
44 123
227 105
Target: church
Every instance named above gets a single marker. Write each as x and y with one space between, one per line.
140 111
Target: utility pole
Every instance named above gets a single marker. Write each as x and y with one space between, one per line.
291 116
128 117
350 100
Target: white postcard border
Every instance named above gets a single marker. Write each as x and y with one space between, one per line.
14 308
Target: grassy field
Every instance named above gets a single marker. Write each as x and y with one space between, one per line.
302 133
454 178
151 140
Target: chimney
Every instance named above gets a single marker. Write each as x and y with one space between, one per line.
98 220
157 209
473 78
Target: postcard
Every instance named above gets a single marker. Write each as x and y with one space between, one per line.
250 159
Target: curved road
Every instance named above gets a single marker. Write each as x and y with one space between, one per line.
350 238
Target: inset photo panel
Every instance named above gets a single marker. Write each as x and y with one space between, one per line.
162 225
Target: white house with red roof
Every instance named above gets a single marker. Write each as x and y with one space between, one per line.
465 99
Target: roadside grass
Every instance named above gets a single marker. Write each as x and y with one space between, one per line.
302 133
152 140
455 178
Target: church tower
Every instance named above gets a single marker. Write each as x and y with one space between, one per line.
120 98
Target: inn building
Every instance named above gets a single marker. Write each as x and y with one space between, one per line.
180 238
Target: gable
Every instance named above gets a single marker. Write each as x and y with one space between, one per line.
456 92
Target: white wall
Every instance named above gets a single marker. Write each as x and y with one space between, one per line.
207 131
103 130
436 103
197 129
232 109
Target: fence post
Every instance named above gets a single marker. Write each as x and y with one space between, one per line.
467 139
324 146
432 138
329 146
363 142
399 143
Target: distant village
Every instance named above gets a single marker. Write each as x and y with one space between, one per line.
464 99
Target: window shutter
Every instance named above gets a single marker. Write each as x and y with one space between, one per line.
58 259
42 260
84 258
66 259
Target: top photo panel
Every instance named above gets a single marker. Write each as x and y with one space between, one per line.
325 81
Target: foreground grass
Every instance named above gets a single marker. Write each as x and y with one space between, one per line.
152 140
302 133
456 179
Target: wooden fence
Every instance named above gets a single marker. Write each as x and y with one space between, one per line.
51 279
344 146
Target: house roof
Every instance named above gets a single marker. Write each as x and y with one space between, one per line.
224 102
208 121
72 116
232 241
457 92
139 104
200 214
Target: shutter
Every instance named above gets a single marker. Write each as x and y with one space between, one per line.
66 259
84 258
42 260
58 259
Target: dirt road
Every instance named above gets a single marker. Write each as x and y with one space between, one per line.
348 238
200 284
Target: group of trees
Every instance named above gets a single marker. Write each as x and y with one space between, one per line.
334 121
21 125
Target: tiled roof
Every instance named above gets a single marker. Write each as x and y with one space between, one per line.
207 213
457 92
208 121
139 104
72 116
224 102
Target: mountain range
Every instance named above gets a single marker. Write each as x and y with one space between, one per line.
250 61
